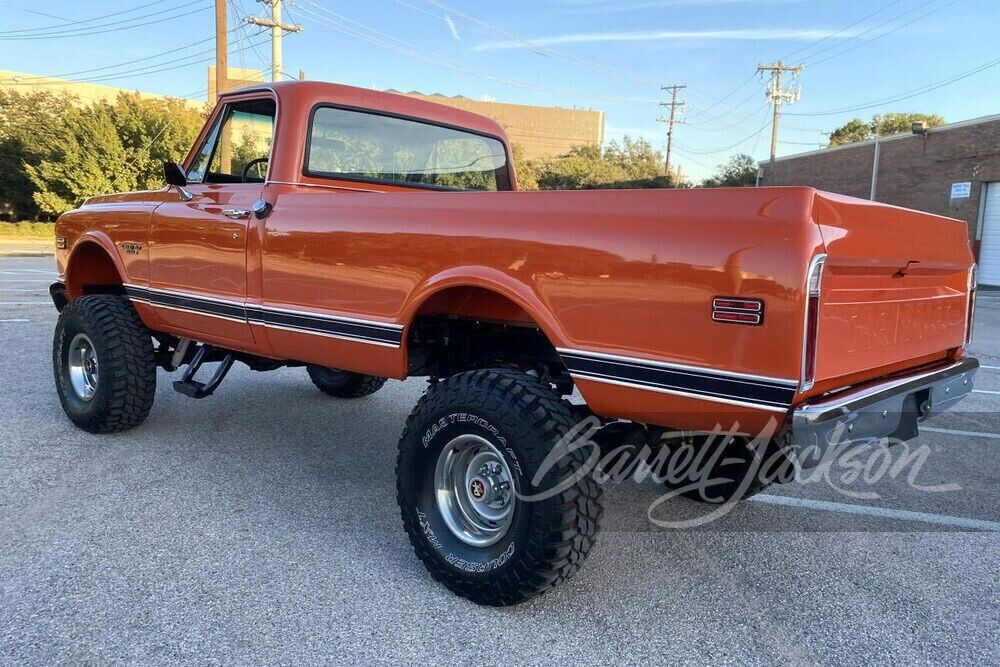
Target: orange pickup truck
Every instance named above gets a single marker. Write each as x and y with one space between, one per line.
368 236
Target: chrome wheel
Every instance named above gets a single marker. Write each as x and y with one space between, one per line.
474 490
81 362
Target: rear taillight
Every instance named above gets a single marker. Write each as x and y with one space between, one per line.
814 284
970 319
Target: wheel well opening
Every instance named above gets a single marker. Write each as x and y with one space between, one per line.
92 271
467 328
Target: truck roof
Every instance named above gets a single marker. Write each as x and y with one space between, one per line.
307 94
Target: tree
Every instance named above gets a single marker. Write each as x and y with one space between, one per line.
22 119
739 172
631 164
154 131
881 126
54 153
84 156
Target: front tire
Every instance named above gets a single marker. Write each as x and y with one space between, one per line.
344 384
467 458
102 357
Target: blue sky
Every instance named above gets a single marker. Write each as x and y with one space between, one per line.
604 54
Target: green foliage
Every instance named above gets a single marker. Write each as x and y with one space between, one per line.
154 131
54 153
881 126
84 156
22 119
631 164
28 230
739 172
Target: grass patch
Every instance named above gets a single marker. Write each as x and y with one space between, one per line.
42 231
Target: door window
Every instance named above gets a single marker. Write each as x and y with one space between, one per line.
238 148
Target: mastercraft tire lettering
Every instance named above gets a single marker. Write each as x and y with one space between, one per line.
474 442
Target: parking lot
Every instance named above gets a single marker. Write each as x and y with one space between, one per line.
260 526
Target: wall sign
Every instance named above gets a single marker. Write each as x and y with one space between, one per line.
961 190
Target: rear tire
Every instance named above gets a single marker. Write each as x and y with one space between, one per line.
102 358
724 470
344 384
504 423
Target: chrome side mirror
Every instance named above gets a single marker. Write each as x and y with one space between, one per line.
174 175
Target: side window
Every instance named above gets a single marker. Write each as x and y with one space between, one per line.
355 145
238 148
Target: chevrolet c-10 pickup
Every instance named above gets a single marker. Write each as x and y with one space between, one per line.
367 236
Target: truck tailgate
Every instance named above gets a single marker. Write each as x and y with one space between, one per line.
895 286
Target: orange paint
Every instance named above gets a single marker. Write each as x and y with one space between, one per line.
628 273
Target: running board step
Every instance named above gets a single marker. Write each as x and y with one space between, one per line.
188 386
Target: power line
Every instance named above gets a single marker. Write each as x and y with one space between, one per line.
806 48
884 34
172 52
142 71
904 96
845 29
373 36
77 22
533 46
86 32
278 29
778 95
671 120
727 148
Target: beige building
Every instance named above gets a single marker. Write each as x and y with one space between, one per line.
85 92
539 131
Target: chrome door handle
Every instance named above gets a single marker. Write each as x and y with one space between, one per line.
236 213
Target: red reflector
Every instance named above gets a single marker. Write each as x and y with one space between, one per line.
737 311
738 304
742 318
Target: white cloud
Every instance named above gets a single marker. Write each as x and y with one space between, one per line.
452 27
663 36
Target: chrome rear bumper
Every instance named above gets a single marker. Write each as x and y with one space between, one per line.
887 409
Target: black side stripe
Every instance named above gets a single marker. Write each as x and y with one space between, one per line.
325 325
307 323
774 394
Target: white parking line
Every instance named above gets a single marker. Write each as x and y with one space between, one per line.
951 431
14 320
992 368
985 391
880 512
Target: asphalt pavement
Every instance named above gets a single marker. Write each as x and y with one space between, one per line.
260 526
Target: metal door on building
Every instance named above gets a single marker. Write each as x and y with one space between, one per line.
989 248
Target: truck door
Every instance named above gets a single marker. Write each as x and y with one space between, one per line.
198 242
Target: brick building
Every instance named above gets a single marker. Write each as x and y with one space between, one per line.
951 170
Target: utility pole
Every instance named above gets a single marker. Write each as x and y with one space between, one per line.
276 26
776 94
671 120
221 48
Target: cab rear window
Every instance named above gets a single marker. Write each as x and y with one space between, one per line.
355 145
